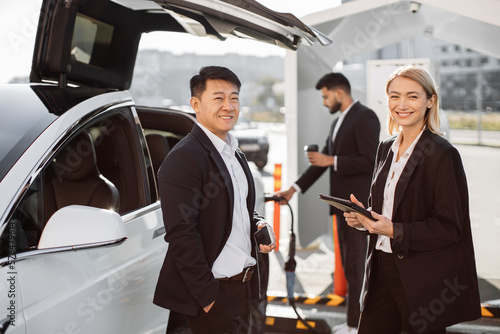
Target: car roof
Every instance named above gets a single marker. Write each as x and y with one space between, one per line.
95 42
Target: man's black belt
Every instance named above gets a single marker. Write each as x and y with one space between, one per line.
244 276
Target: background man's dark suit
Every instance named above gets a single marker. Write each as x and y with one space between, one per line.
432 243
355 146
196 189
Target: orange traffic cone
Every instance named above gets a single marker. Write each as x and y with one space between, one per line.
339 280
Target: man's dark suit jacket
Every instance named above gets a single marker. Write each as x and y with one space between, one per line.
355 147
196 194
432 243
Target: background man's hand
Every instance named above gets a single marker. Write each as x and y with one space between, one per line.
286 194
320 159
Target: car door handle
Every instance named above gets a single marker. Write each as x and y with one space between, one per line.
159 232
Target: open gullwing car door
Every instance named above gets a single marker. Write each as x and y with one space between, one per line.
95 42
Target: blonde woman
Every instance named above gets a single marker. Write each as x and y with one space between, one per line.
420 272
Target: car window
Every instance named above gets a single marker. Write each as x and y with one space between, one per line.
163 129
101 165
91 40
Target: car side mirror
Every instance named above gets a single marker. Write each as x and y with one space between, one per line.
78 226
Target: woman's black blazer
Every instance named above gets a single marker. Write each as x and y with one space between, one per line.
432 243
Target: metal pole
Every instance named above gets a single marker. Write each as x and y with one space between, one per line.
479 101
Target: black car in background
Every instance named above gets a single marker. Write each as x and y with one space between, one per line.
252 141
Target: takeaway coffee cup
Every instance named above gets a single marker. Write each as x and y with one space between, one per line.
311 148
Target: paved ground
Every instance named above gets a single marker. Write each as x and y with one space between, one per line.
473 137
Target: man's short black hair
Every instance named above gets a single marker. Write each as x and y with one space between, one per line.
333 81
198 83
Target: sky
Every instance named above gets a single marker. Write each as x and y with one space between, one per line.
19 20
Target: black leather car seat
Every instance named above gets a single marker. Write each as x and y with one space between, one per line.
74 178
158 150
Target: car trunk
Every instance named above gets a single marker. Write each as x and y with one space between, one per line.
95 42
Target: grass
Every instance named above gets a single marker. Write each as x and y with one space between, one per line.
457 119
470 120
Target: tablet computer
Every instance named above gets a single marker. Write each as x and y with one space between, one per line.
345 205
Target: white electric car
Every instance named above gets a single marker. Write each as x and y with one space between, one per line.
81 237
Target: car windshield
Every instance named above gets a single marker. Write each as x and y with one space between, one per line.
20 128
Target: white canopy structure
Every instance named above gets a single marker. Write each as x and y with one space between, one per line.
359 30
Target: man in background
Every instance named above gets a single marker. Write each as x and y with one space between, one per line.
349 154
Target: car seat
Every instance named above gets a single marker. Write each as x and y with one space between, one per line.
73 178
158 150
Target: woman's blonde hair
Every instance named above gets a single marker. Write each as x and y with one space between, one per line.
422 77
